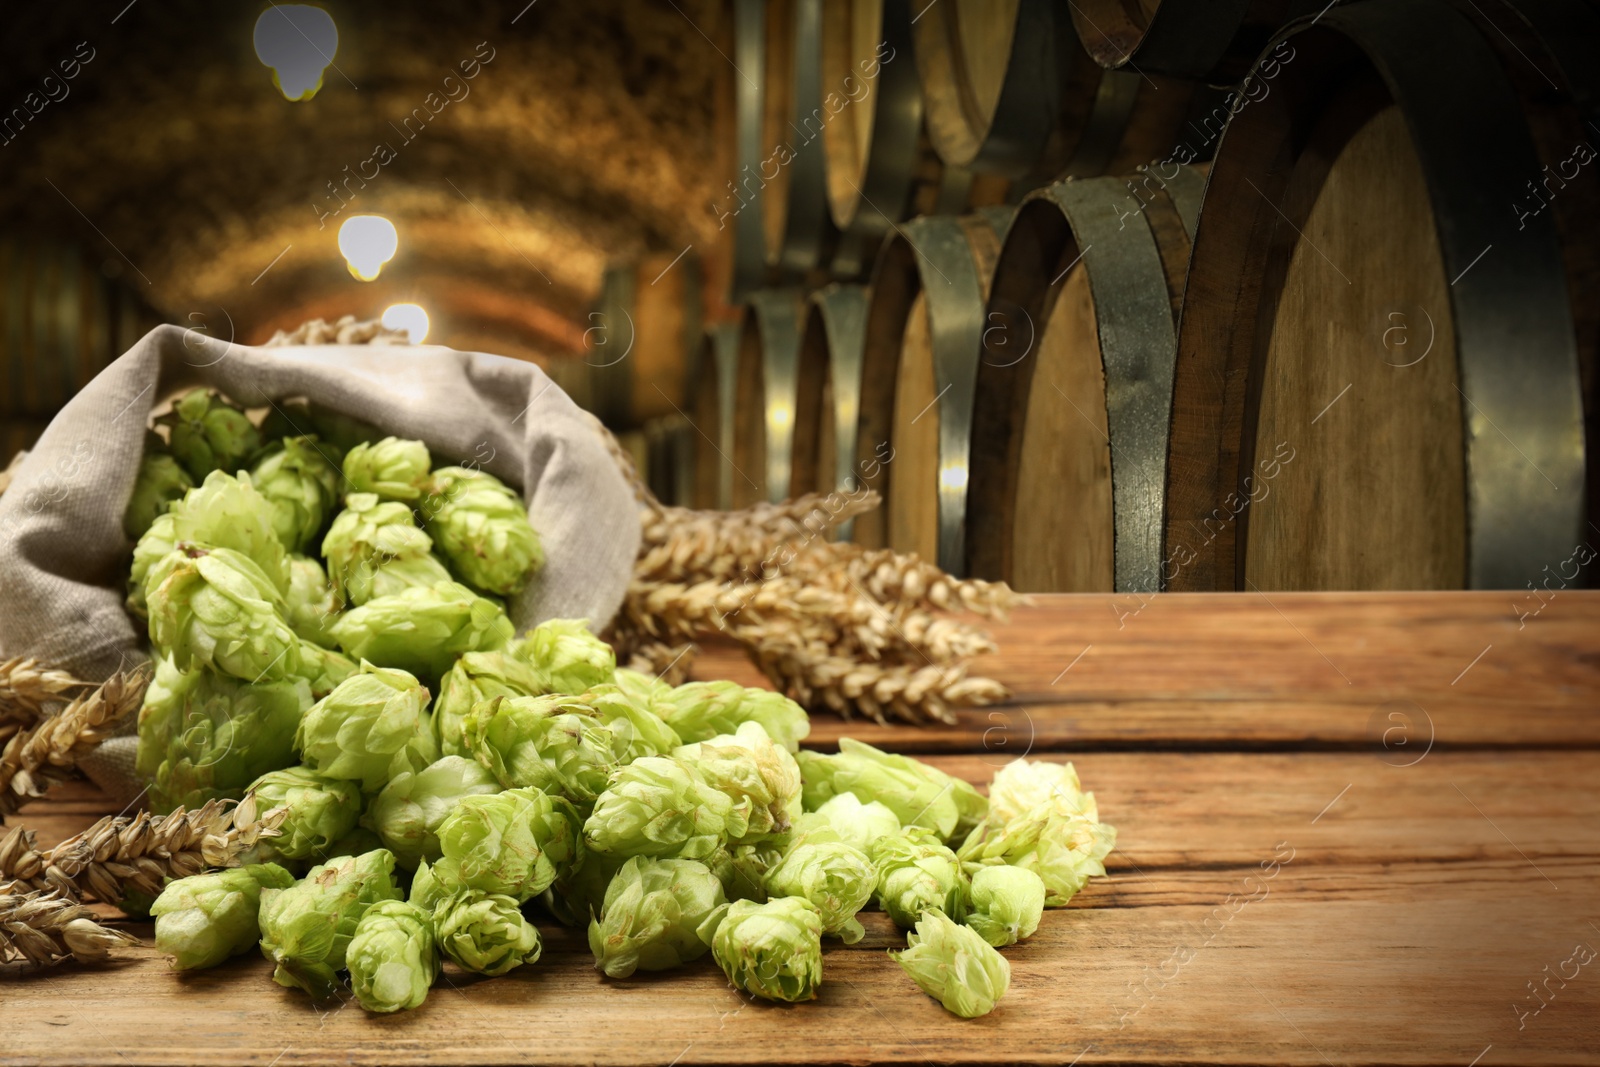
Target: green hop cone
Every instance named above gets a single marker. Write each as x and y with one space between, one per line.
652 910
743 869
393 468
306 928
955 966
917 874
1063 848
226 511
154 557
514 843
771 950
160 481
659 806
406 815
373 726
301 480
217 609
552 743
760 778
567 657
426 889
837 878
323 668
369 537
481 527
1007 903
204 736
647 690
700 711
857 824
476 677
918 794
485 932
320 811
209 433
635 730
204 919
310 605
1022 785
393 957
423 630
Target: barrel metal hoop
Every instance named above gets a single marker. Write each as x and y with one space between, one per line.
844 320
780 320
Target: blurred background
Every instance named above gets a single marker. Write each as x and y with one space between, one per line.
1112 295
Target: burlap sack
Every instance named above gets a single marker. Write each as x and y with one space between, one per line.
64 558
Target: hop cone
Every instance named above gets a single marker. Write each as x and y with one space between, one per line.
646 689
226 511
566 656
760 778
310 605
482 529
917 874
218 610
153 560
955 966
549 743
426 889
301 480
635 730
423 630
407 814
1063 848
160 481
837 878
743 869
771 950
918 794
372 726
393 468
306 928
203 735
476 677
514 843
1022 785
658 806
700 711
323 668
204 919
652 910
857 824
371 536
209 434
485 932
393 957
320 812
1007 903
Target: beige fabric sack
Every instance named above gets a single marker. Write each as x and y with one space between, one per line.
64 558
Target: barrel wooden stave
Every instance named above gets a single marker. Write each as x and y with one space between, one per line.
642 337
764 396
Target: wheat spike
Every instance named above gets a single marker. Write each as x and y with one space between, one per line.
44 929
50 751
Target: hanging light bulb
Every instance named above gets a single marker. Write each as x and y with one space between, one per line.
408 317
298 42
368 242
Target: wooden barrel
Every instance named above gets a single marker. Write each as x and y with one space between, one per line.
713 387
1377 382
669 447
1216 41
764 395
740 205
924 332
641 337
799 233
1008 89
828 393
1074 389
61 322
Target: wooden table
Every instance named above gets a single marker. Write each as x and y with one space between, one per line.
1355 828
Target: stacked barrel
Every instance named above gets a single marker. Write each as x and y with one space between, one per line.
1175 295
62 320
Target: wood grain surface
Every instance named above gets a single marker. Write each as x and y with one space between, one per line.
1294 881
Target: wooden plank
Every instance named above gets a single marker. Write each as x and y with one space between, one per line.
1275 670
1405 915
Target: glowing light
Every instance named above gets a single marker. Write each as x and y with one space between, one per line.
298 42
368 242
780 417
408 317
953 479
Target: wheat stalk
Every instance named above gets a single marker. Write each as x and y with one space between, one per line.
50 750
121 855
26 687
43 928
